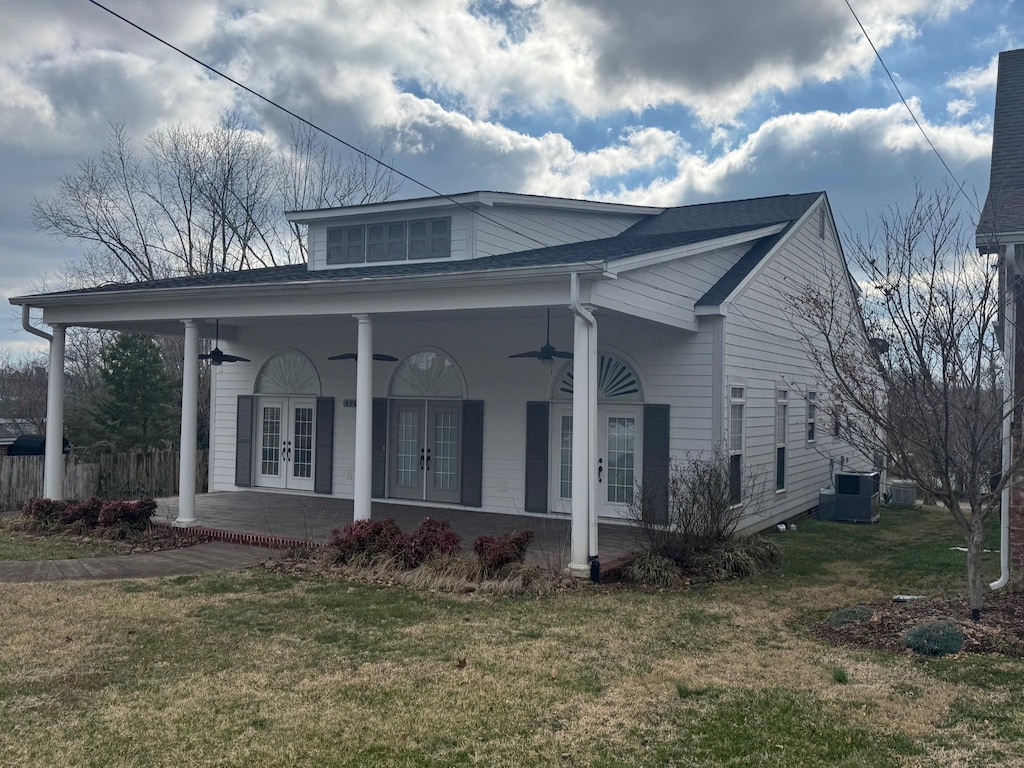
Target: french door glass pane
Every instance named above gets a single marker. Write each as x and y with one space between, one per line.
406 469
565 459
445 444
302 451
621 455
270 450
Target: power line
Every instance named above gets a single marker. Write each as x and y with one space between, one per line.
363 152
960 185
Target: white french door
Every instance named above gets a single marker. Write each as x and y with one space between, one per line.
619 461
284 450
425 450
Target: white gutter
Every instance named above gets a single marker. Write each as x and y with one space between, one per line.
31 328
1009 343
579 311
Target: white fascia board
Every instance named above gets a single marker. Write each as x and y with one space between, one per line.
470 200
1000 238
682 251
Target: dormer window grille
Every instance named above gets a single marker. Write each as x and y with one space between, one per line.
412 240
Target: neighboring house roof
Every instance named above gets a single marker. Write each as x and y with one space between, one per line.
1004 206
659 231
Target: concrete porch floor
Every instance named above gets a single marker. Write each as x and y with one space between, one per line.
310 517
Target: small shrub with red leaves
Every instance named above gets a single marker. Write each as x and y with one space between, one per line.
369 537
121 518
43 512
84 514
495 553
432 538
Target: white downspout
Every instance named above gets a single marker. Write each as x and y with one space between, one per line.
1009 343
31 328
582 313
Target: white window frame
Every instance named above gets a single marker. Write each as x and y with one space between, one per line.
781 438
737 399
812 416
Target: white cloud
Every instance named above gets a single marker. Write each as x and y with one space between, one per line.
976 79
957 108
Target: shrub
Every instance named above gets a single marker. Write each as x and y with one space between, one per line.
368 537
936 638
495 553
851 614
654 571
432 538
45 512
83 514
124 517
700 513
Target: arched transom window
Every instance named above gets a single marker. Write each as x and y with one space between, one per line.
616 380
428 373
288 373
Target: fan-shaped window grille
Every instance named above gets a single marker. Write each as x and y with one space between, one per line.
616 380
288 373
427 374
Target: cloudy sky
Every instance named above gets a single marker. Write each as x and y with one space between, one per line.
661 102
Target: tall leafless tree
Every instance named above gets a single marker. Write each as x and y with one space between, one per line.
927 391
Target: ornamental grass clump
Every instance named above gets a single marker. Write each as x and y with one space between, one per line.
935 638
650 570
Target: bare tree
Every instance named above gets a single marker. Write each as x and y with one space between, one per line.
197 201
926 391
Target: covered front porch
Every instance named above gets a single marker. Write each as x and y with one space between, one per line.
312 518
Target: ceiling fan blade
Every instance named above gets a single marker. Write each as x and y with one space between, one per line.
563 355
234 358
532 353
353 356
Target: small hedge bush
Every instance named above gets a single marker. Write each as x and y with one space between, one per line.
851 614
121 518
495 553
936 638
45 512
363 537
369 539
83 513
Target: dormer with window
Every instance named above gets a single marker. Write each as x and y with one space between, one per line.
465 226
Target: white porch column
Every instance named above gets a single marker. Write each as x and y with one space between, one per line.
364 419
581 458
53 462
189 416
596 451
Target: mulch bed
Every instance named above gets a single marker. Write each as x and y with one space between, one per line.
1001 629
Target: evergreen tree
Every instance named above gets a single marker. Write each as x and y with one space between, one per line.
140 404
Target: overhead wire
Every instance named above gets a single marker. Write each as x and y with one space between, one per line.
369 156
959 184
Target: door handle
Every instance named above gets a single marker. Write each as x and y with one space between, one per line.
600 469
421 458
288 449
428 459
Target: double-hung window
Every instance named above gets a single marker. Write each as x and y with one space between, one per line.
812 416
781 423
737 402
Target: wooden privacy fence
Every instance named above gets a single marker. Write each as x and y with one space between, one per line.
107 475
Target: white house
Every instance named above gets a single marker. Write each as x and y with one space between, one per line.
676 321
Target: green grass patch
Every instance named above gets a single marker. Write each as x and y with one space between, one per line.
19 545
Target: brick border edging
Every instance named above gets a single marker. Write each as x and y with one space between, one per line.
241 537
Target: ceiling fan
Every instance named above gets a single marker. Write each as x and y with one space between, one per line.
217 357
546 353
353 356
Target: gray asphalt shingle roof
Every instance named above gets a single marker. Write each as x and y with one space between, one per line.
674 227
1004 205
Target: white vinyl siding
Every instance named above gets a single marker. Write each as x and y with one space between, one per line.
763 348
507 229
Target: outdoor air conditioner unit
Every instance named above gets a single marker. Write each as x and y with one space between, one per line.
904 493
855 499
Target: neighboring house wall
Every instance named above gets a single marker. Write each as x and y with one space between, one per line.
764 353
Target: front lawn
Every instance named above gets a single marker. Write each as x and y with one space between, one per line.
260 668
21 545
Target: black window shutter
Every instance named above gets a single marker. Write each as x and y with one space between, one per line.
537 415
472 452
324 455
379 457
656 463
243 442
